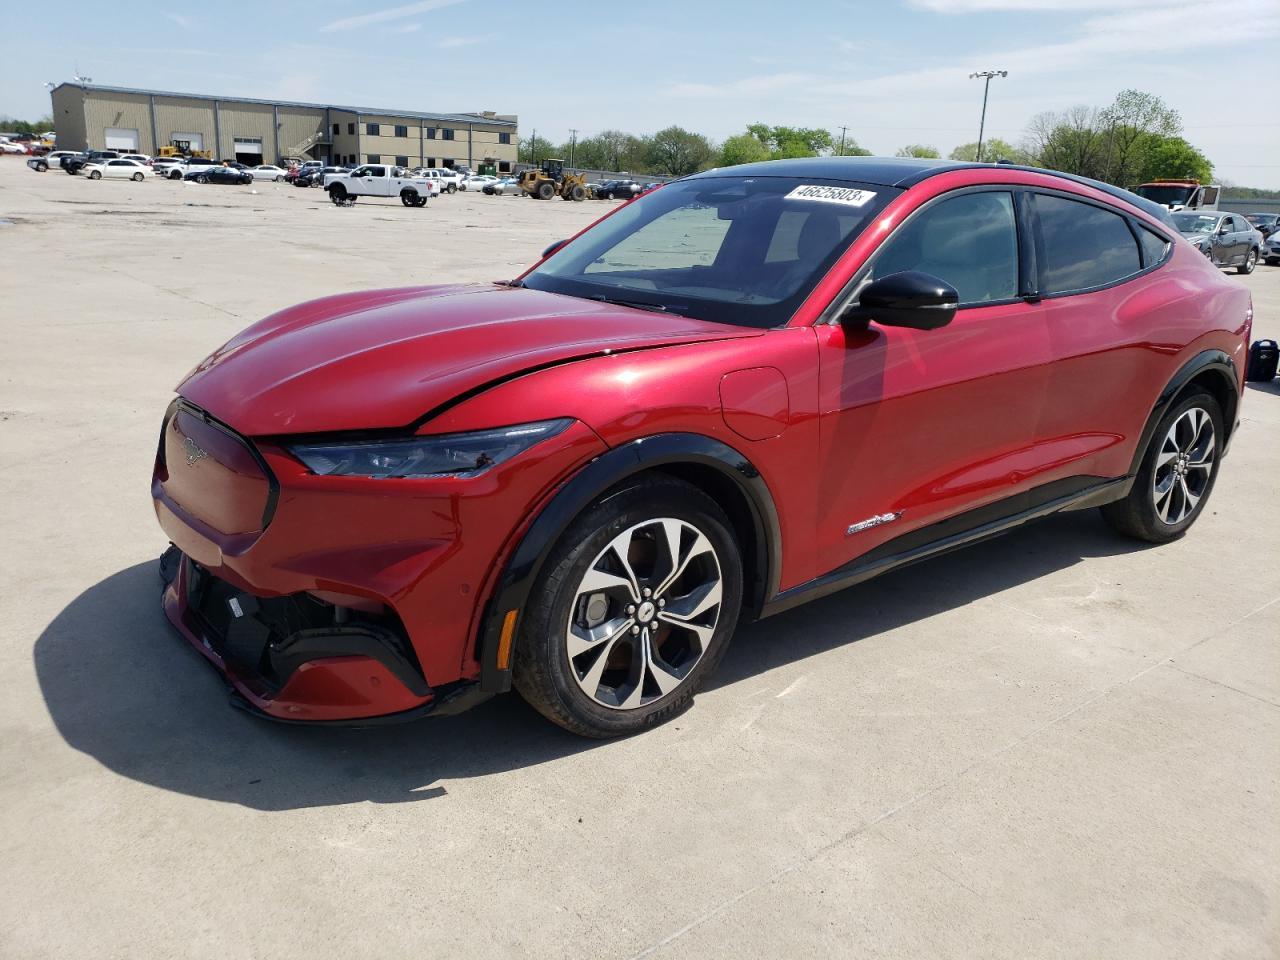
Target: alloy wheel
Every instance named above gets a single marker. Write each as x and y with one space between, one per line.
644 613
1184 466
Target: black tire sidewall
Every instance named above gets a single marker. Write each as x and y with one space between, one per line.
542 632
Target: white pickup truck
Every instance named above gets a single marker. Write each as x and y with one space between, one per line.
379 180
449 180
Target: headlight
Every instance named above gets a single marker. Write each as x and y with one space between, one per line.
446 454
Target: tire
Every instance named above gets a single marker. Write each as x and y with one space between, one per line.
1273 261
136 178
95 175
546 190
175 175
338 195
202 179
641 676
578 193
41 167
279 179
1181 461
408 198
420 202
1250 262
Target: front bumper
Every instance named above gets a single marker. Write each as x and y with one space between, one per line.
358 598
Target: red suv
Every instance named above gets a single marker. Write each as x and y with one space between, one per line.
741 391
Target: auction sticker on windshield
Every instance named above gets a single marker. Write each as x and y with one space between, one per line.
849 196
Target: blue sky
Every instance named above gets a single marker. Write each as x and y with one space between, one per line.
894 72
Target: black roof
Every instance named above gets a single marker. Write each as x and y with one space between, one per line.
908 171
882 171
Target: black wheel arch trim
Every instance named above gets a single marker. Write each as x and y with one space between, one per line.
1215 361
586 486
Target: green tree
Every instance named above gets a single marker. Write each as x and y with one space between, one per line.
1172 157
677 152
743 148
786 142
13 125
992 150
922 150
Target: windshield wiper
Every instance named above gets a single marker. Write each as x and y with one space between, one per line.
651 307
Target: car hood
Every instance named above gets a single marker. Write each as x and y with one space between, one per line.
388 358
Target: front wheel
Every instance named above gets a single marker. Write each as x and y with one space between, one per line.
633 610
41 167
1177 473
1250 262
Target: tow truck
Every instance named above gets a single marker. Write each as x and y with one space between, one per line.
1185 194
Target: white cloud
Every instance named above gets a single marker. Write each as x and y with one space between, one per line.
383 16
452 43
408 28
177 18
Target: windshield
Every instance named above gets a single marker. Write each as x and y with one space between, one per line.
1167 194
740 250
1194 223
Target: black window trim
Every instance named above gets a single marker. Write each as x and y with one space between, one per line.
841 301
1133 223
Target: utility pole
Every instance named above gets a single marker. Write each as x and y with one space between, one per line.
843 130
533 147
986 76
573 143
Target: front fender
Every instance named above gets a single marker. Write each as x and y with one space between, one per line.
504 611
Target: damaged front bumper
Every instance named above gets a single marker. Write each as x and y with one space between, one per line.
298 659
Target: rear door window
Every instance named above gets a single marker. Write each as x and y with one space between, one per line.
970 241
1154 247
1084 246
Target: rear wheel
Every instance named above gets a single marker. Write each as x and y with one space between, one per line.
546 190
96 175
633 610
1250 262
136 178
1177 473
452 188
408 198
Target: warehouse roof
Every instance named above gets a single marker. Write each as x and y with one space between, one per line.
378 111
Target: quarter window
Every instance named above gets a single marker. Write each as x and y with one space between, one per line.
1154 247
1084 246
970 241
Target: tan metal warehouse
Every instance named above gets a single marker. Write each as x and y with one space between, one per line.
97 117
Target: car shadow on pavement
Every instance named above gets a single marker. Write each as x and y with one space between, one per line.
122 687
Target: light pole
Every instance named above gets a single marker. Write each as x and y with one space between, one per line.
986 76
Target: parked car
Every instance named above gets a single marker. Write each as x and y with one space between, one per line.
618 190
503 187
268 171
477 183
1226 239
1271 251
381 507
217 173
314 176
118 169
13 146
1265 223
139 157
75 162
42 163
448 180
380 180
178 168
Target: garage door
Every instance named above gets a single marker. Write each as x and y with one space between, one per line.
121 138
249 145
187 141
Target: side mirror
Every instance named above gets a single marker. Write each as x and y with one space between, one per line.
1224 229
907 299
553 248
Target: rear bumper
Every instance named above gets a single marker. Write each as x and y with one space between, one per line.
357 673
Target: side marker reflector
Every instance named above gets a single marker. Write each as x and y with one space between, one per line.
504 640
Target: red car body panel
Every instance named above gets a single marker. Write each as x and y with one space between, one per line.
842 424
